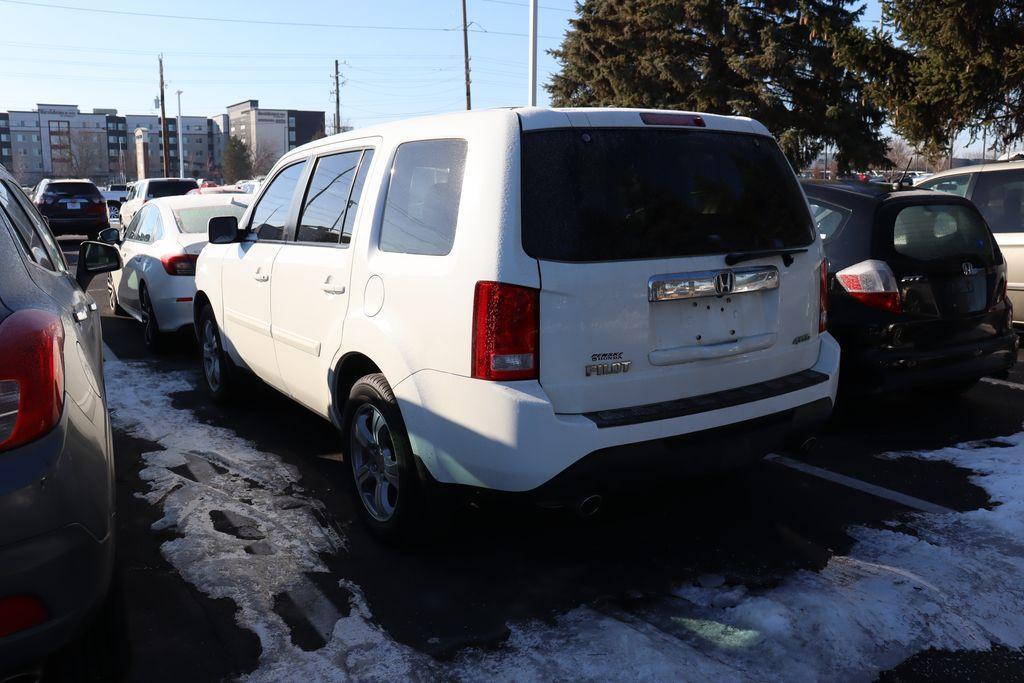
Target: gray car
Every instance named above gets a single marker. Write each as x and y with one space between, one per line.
56 459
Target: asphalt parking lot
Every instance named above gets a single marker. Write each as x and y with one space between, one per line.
890 550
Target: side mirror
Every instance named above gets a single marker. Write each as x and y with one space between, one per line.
223 229
110 236
95 258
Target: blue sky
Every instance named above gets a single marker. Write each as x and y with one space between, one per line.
401 57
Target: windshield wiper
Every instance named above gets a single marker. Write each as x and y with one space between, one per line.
786 254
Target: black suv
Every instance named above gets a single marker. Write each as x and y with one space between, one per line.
72 207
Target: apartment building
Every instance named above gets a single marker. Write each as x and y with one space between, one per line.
269 133
60 140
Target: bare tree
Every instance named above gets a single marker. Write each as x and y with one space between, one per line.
262 161
88 154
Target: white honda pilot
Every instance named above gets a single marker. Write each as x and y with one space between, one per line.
528 300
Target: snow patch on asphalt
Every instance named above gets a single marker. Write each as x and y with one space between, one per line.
957 582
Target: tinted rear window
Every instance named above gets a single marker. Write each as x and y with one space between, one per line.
942 232
169 188
614 194
72 190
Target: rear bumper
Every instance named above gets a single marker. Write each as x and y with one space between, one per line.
884 369
57 531
69 571
506 436
172 300
67 226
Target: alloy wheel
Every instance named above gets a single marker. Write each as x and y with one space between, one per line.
374 462
211 355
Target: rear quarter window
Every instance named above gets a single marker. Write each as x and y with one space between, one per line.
642 193
828 218
424 194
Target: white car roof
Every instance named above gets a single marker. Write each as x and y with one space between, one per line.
980 168
189 201
537 118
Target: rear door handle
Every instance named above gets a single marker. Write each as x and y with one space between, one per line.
331 288
260 277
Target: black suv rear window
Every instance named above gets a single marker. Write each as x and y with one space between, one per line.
72 190
169 188
616 194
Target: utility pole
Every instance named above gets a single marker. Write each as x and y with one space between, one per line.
181 157
337 101
532 100
163 123
465 52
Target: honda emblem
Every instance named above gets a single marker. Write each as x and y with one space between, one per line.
724 282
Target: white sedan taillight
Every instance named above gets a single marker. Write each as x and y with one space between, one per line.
873 284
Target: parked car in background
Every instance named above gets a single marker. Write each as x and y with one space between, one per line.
997 190
248 186
521 299
159 251
115 195
917 288
72 206
56 456
153 188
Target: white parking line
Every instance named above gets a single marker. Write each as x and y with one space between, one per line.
862 486
1003 383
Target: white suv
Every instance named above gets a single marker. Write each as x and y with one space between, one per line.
519 299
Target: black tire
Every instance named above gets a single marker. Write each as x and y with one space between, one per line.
151 333
220 384
410 499
115 306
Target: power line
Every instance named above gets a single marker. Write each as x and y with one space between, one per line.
259 22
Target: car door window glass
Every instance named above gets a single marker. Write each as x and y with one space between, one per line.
23 226
828 218
147 225
271 212
423 197
129 233
999 196
956 184
356 197
49 241
323 210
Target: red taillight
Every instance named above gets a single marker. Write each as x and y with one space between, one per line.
31 376
823 296
506 327
873 284
19 613
180 264
670 119
97 208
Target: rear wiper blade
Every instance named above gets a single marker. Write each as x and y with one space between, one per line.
786 254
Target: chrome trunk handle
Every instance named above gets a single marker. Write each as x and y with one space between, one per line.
708 283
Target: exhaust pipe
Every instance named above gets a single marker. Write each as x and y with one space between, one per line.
589 506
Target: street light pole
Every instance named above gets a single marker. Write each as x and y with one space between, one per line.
181 159
532 100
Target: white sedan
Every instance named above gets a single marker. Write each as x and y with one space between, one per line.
159 249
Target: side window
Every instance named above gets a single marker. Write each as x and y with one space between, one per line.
999 195
149 223
956 184
271 212
32 215
23 226
356 197
323 210
828 218
423 197
129 233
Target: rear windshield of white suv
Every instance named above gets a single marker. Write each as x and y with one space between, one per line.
616 194
169 188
